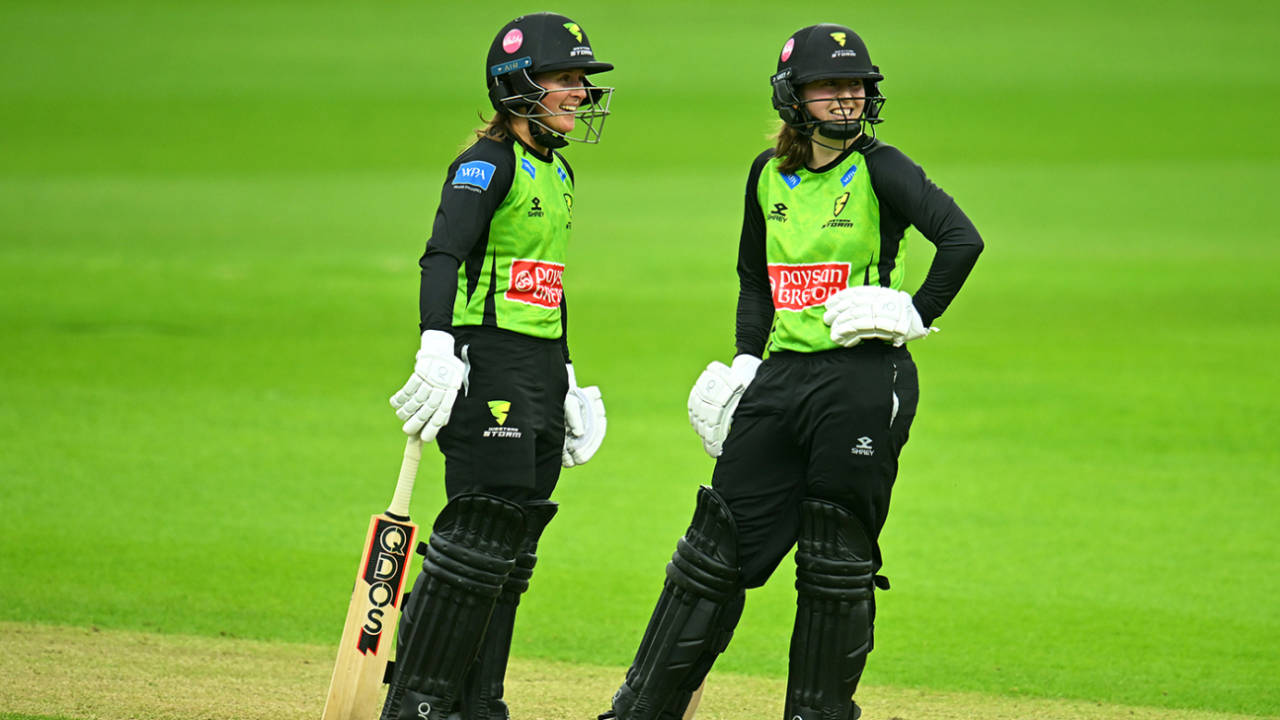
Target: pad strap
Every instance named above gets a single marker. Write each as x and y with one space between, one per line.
470 553
483 686
832 633
700 604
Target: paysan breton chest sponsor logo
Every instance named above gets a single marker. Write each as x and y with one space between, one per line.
534 282
796 287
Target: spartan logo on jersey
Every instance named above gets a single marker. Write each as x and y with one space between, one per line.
535 209
836 220
779 212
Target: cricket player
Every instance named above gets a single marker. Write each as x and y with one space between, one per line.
808 440
493 383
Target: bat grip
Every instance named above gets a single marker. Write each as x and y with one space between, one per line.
408 472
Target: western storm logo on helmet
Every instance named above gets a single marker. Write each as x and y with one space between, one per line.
535 282
800 286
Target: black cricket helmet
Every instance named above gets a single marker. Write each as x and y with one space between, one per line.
820 52
543 42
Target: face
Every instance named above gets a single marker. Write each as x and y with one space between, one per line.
565 92
835 99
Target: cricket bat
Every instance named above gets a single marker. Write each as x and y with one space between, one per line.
369 634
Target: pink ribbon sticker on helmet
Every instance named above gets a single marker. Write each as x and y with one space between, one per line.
786 49
513 40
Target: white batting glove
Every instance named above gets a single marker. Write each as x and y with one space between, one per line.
426 400
584 422
714 398
870 311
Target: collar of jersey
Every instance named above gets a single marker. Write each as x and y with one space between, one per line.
834 163
858 145
536 155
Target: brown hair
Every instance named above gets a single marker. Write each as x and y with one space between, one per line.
496 128
792 149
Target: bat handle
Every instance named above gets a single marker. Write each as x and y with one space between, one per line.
408 472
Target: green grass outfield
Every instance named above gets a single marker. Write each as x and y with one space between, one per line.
209 220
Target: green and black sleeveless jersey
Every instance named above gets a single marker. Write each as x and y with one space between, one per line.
811 233
496 255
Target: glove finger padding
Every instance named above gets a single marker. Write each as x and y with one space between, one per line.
404 394
425 403
714 397
870 311
588 404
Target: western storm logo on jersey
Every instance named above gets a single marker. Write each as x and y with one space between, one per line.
534 282
839 206
535 209
568 205
836 220
474 176
863 447
778 213
796 287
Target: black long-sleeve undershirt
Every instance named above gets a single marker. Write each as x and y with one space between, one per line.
907 198
460 233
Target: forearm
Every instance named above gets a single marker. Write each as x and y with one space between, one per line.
954 259
439 287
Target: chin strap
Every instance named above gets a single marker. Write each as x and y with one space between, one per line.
545 136
813 137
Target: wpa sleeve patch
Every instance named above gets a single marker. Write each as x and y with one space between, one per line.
476 173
